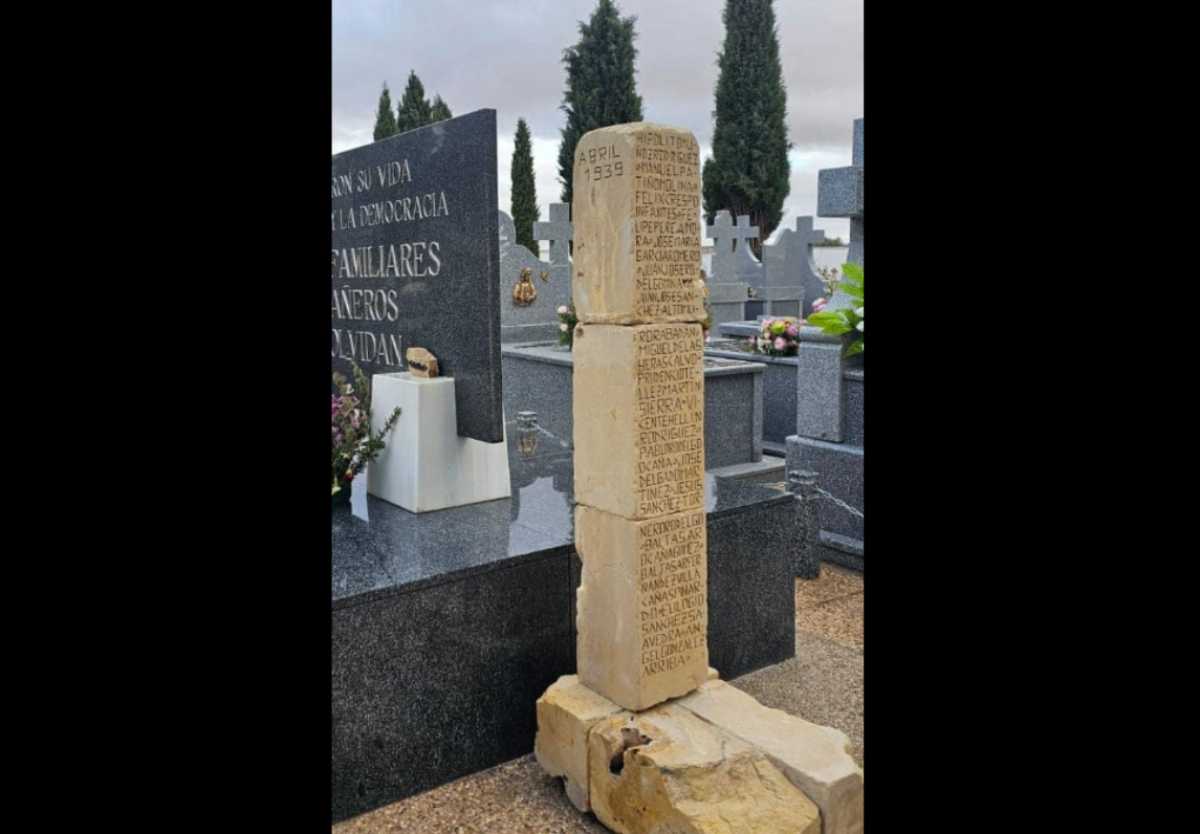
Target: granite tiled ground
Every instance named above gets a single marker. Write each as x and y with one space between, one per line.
823 684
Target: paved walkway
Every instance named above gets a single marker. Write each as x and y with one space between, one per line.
822 684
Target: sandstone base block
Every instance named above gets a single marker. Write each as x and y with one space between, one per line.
642 618
815 759
665 770
565 714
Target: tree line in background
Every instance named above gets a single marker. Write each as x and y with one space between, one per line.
748 172
413 111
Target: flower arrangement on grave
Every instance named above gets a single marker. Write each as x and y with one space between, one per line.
566 325
778 337
353 443
829 277
846 322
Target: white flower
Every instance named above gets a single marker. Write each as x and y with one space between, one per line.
859 326
562 311
859 311
563 327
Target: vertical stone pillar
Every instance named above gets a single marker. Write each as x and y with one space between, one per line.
639 415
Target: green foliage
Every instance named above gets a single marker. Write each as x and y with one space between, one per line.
749 170
385 122
525 211
414 109
438 111
601 90
353 443
846 321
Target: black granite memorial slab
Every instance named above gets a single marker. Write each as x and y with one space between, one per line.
416 261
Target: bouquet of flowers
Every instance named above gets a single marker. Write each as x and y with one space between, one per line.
778 337
566 327
353 443
846 321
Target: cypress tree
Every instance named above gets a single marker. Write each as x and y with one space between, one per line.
413 111
748 171
438 111
524 196
600 85
385 122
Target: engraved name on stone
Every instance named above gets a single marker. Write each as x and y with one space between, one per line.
666 229
669 419
637 230
673 589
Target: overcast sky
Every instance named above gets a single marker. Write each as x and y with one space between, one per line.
507 55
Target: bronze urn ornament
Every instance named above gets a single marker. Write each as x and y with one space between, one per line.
524 292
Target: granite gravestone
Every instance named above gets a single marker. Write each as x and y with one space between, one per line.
536 320
415 260
557 231
733 269
793 283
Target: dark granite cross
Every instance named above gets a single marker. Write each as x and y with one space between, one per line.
558 231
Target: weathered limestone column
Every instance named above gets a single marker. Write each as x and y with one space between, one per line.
645 735
639 415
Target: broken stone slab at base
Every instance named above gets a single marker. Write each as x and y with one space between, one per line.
701 763
566 712
665 769
815 759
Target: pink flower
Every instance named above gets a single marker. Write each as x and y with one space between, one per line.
780 344
792 331
820 302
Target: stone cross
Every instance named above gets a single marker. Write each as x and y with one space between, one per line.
558 231
732 262
840 194
800 250
808 236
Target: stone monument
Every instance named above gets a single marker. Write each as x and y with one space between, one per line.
646 735
829 435
415 261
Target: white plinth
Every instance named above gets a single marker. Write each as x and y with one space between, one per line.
426 466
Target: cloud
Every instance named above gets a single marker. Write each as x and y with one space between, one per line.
508 56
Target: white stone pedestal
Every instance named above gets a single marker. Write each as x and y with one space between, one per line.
426 466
